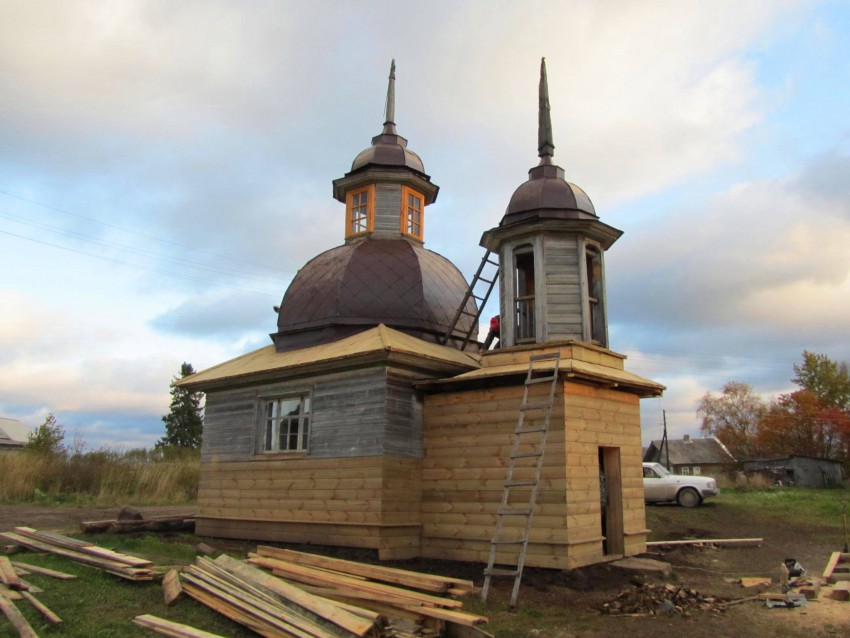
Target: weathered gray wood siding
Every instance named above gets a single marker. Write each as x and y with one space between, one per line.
388 211
404 416
364 412
563 305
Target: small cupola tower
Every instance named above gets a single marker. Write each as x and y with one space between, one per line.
386 191
551 245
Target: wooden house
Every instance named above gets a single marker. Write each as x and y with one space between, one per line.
13 434
707 456
369 422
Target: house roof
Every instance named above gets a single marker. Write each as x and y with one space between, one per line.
13 433
570 367
379 341
707 451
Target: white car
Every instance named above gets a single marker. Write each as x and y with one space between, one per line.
660 486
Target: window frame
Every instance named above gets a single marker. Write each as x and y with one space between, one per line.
406 216
269 425
369 225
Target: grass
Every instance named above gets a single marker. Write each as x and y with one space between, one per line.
98 605
104 477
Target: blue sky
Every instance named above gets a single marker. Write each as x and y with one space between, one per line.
166 168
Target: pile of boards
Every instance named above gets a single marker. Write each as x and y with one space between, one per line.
116 563
14 588
314 596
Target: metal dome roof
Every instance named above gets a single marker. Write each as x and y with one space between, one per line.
357 286
388 149
549 192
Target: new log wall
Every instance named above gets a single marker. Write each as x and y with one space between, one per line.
467 442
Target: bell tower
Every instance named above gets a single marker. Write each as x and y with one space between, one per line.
551 247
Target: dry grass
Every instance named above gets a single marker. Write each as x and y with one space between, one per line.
103 477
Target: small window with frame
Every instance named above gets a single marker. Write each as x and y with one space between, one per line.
686 470
285 423
360 211
412 213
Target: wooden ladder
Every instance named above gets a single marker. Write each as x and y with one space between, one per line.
479 289
533 436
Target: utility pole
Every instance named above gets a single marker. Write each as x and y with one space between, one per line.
665 445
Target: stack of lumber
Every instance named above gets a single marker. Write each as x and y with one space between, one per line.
116 563
174 523
412 603
12 588
311 596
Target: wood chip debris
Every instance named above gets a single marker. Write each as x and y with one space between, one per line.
649 599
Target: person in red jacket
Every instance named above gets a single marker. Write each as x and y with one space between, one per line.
494 333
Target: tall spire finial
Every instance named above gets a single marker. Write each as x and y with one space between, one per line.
389 109
545 144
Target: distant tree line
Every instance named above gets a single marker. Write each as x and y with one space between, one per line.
812 421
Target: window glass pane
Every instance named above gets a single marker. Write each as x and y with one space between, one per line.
290 406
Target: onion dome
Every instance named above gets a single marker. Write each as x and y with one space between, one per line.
546 194
356 286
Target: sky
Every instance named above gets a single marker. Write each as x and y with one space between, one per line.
166 168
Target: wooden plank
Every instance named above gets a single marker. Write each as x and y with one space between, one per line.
112 567
171 589
84 547
303 600
832 566
272 617
170 628
8 576
44 609
405 578
460 617
16 618
314 576
35 569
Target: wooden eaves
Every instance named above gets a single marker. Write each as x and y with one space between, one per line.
570 370
378 345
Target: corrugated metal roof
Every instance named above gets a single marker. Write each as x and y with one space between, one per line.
378 339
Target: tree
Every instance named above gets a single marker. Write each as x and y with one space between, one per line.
47 438
733 417
184 423
799 423
826 379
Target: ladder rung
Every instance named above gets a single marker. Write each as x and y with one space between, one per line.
540 380
518 541
508 511
545 356
538 428
521 483
495 571
539 405
526 455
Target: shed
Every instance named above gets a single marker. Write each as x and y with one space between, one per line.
691 456
13 433
802 471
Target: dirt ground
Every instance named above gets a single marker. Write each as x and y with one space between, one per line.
574 599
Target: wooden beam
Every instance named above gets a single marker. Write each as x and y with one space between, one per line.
172 629
16 618
46 612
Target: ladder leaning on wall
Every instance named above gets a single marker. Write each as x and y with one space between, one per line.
480 287
529 442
